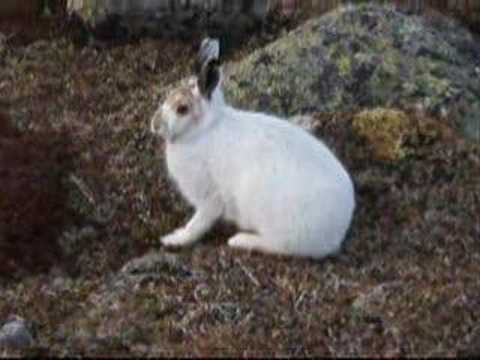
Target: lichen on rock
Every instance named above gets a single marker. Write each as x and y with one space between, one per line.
365 56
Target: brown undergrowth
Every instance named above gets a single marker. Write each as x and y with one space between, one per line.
34 203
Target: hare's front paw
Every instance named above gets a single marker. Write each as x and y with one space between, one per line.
177 238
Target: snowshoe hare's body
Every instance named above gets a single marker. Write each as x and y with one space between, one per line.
284 189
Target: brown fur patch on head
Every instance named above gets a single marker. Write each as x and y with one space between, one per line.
180 96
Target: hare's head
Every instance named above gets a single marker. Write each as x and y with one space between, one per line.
191 107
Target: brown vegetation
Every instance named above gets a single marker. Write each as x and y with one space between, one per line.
33 205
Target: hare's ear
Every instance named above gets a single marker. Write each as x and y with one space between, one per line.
207 67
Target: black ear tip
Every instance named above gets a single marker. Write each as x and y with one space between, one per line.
207 66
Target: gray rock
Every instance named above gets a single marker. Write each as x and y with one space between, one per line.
16 334
365 56
75 237
123 19
156 263
305 121
151 268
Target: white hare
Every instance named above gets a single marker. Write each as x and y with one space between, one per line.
285 190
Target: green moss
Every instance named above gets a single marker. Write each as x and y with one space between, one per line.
385 130
344 66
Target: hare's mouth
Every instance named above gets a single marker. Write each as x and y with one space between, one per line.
162 130
157 126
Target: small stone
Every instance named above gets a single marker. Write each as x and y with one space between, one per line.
156 263
306 122
59 282
88 232
15 334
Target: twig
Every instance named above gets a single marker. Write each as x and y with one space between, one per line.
83 188
299 300
249 274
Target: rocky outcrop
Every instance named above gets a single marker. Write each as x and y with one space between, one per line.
366 56
163 18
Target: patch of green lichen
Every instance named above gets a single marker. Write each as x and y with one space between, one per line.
259 81
434 89
344 66
385 130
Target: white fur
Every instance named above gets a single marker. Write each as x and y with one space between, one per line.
284 189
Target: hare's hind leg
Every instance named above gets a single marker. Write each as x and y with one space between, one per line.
249 242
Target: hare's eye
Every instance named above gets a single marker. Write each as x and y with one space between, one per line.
182 110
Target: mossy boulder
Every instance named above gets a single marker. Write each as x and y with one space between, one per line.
365 56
